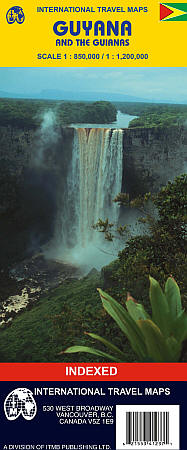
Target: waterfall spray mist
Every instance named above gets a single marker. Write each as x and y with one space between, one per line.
46 136
93 181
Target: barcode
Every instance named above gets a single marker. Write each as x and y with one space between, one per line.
147 426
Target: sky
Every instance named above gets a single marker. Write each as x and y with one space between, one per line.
152 84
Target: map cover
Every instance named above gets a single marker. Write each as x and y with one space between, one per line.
93 141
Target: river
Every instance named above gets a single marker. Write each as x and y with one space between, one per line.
122 121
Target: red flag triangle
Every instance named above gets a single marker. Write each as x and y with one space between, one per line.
164 12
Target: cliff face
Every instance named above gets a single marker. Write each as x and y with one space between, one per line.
15 150
152 157
31 180
20 160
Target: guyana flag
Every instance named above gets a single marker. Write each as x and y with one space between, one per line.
173 12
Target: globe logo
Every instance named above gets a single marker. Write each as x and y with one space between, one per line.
15 14
20 401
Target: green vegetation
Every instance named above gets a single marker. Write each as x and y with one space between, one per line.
160 251
154 114
60 319
62 316
97 112
28 113
158 338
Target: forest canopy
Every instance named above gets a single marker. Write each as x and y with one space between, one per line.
154 114
29 113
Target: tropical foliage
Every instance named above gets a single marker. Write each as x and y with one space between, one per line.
28 113
160 250
158 338
72 309
154 114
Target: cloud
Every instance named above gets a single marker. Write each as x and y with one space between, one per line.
158 84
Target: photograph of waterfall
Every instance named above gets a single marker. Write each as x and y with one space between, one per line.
94 178
92 214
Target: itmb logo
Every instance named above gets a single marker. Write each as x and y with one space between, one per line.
20 401
15 14
173 12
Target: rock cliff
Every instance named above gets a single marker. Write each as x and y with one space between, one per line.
31 183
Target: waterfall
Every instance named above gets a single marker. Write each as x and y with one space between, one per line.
93 180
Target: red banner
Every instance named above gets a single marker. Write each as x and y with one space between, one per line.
93 372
